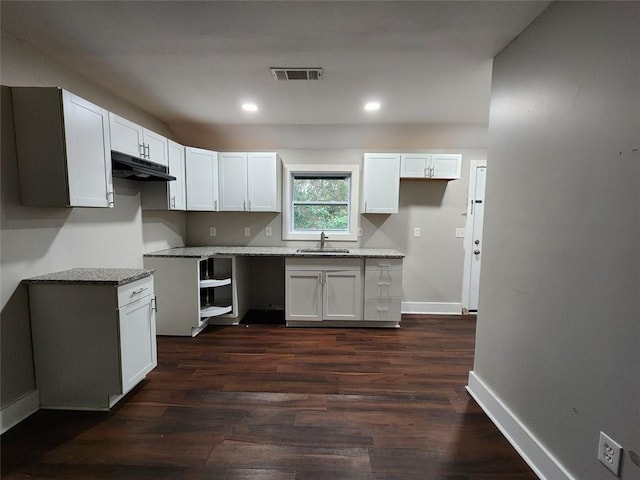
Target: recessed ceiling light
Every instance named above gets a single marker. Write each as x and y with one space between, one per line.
372 106
250 107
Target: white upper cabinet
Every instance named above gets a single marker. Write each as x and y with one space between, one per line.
414 165
233 181
439 166
249 182
446 166
381 183
63 149
263 182
202 179
132 139
168 195
177 187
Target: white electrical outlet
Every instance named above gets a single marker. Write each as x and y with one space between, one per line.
212 231
610 453
416 232
247 231
459 232
267 231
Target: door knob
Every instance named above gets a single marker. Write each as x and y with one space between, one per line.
476 251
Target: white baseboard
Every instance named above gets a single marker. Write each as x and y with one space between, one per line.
432 308
17 411
532 451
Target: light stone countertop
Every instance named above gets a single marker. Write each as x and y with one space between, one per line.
96 276
211 251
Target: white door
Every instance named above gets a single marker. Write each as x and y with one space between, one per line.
446 166
381 183
88 153
473 236
177 197
303 292
262 182
126 136
156 148
233 181
138 355
202 179
342 295
414 165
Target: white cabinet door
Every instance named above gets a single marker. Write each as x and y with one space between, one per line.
233 181
126 136
342 299
156 147
177 194
202 179
137 341
446 166
303 295
381 183
414 165
262 182
88 153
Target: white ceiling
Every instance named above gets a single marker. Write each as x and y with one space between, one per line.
195 62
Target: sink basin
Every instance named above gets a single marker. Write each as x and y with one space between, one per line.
322 250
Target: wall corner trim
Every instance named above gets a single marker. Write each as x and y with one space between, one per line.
20 409
532 451
432 308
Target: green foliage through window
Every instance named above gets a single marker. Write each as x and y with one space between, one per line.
321 202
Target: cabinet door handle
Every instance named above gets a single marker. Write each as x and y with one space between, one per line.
173 202
215 205
365 205
139 291
249 205
154 304
110 202
425 172
244 205
141 149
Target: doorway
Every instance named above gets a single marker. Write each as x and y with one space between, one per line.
473 236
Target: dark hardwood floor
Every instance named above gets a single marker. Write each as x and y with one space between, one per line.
265 402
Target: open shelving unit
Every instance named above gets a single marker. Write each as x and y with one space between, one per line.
198 292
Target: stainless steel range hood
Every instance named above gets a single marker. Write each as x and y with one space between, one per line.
133 168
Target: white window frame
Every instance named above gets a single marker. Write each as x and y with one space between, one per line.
287 209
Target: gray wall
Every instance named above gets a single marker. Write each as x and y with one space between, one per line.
558 333
36 241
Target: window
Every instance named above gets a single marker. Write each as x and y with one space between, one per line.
320 198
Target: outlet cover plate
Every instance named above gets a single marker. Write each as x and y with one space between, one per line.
610 453
212 231
459 232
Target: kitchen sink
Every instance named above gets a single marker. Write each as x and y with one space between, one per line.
322 250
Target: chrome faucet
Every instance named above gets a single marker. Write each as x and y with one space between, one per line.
323 237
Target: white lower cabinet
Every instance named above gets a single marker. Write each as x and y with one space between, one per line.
383 290
92 343
207 291
322 292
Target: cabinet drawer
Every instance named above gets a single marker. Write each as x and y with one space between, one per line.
135 290
383 309
383 283
326 264
384 264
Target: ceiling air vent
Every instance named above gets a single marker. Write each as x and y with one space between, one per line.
297 73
